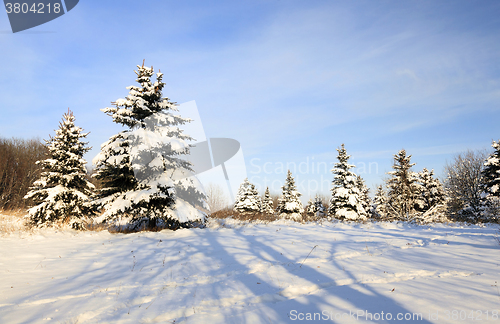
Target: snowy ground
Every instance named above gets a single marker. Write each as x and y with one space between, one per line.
253 274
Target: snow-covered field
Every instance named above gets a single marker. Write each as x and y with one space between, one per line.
253 274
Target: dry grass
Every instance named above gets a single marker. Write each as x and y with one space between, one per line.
97 227
249 217
127 229
12 221
246 217
223 213
312 217
20 213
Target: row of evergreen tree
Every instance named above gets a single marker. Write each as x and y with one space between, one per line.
144 179
408 195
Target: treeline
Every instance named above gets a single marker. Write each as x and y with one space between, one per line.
470 192
18 170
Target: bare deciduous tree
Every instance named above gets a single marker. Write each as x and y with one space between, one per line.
464 181
275 197
18 169
216 198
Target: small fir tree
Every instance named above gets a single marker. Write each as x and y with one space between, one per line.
267 203
320 208
247 200
431 191
315 207
364 194
62 194
310 207
346 201
491 172
403 187
379 207
142 170
491 184
289 204
257 196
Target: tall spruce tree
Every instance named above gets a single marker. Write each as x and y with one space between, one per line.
62 194
144 175
247 200
346 201
267 203
491 171
403 188
289 204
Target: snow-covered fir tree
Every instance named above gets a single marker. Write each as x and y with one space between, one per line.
114 169
364 194
320 208
247 199
431 191
346 201
379 207
289 204
310 207
491 184
403 188
267 203
491 171
62 194
145 177
315 207
257 197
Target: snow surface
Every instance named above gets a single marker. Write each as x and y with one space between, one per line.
257 273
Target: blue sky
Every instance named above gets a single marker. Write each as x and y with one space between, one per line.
291 80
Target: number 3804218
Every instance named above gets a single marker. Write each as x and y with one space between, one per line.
39 8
